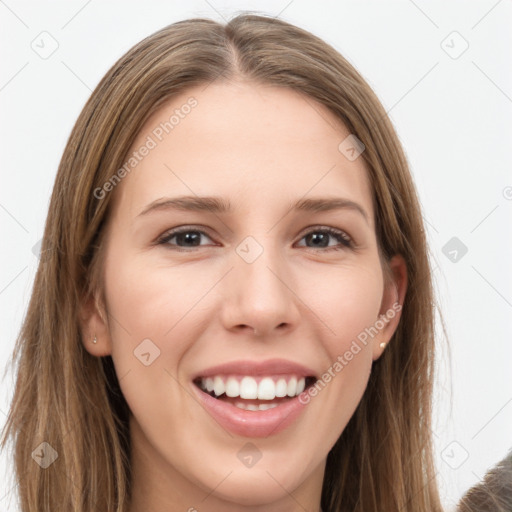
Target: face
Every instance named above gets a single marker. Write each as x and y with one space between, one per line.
277 287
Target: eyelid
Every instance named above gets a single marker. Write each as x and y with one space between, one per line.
330 229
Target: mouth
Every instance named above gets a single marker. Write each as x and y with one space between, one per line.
254 398
254 393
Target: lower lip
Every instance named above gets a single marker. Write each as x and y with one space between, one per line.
252 423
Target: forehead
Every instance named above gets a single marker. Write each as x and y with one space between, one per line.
256 144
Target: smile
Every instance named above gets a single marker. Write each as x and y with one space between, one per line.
254 393
254 399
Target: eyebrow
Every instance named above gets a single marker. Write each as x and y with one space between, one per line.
220 205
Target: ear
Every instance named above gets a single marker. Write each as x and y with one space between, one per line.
395 287
93 323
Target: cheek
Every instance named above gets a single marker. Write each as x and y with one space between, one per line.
348 304
153 323
150 300
347 300
155 309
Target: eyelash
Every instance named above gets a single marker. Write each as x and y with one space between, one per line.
341 236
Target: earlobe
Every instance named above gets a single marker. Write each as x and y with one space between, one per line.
395 287
94 329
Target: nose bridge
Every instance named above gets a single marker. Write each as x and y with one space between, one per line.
256 267
259 295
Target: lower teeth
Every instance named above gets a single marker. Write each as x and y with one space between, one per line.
253 407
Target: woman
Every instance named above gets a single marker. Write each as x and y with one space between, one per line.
255 371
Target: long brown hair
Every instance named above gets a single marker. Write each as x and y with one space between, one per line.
71 400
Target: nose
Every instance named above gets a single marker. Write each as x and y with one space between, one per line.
260 297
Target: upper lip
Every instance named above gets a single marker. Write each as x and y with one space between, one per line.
251 367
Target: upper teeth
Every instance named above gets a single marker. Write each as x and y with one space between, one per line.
248 387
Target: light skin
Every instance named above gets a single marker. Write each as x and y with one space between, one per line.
262 148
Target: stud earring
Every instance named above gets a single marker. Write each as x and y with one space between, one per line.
383 344
95 340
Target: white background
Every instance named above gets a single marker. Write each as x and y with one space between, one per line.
453 116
